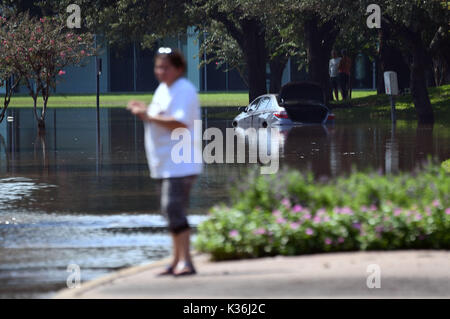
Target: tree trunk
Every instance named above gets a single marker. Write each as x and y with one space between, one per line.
319 43
391 59
35 107
440 70
379 76
6 100
380 61
254 48
251 39
2 115
277 66
420 59
10 86
40 120
419 90
45 96
439 48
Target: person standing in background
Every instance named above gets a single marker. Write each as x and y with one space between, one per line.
175 105
345 66
333 71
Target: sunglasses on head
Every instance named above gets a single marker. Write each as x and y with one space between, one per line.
163 50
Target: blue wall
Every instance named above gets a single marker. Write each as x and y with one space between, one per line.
82 79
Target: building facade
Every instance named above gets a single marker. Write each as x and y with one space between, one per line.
130 69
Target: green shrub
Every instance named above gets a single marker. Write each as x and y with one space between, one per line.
291 214
446 165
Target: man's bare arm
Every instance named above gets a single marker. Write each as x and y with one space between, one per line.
139 109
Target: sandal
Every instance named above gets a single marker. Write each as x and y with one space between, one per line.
167 271
188 269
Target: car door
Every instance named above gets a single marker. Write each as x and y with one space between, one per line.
251 108
260 115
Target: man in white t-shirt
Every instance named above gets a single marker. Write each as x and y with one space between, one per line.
180 102
174 109
333 68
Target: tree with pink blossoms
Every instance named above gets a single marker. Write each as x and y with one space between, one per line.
8 79
36 52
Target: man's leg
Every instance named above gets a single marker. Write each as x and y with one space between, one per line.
183 239
334 83
178 192
349 87
165 188
336 88
175 250
343 86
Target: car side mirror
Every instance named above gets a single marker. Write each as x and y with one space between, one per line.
242 109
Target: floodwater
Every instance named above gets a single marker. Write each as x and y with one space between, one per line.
81 193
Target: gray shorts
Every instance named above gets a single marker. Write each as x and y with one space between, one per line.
175 201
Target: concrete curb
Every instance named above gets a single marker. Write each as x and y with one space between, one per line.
106 279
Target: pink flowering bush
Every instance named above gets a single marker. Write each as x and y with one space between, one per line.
7 70
291 214
36 51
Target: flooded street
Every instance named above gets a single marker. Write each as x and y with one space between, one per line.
81 194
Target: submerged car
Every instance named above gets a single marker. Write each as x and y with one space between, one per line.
297 102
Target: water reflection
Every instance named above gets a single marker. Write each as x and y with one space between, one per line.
103 168
392 152
4 156
81 192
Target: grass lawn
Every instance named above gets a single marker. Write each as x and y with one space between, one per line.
364 104
120 100
378 106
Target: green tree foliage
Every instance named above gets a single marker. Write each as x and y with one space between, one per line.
124 21
248 34
243 20
222 47
421 31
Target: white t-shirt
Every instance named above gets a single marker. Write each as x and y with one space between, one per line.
179 101
333 67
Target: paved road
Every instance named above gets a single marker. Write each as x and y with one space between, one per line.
404 274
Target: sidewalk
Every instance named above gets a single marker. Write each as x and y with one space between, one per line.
404 274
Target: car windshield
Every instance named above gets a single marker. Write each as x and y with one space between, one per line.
253 105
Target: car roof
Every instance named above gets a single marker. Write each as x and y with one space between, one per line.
271 95
264 95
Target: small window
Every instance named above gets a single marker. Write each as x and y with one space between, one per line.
264 104
279 100
252 107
